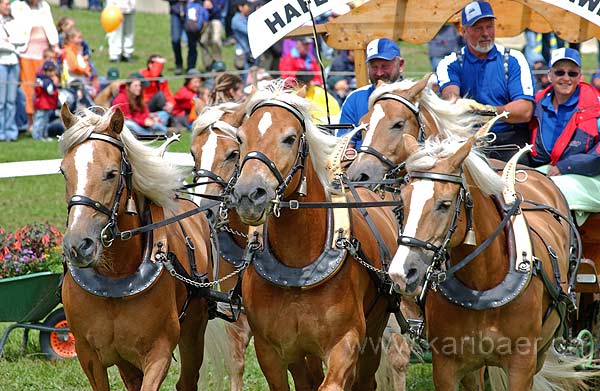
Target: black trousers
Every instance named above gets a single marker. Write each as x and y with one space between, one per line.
505 140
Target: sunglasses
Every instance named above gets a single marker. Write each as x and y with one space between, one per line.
560 73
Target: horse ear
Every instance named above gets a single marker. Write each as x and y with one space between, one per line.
458 158
301 92
418 87
410 144
117 121
67 117
380 83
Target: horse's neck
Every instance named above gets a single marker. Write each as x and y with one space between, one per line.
489 268
297 237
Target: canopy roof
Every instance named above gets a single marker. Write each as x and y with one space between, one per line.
418 21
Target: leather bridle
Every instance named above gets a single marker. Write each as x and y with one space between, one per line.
301 155
110 230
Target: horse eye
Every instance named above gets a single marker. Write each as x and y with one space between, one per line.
443 206
289 140
112 174
233 155
398 125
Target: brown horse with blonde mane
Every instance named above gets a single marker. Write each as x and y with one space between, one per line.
404 107
215 149
303 294
122 306
502 303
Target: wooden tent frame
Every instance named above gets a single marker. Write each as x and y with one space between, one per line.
418 21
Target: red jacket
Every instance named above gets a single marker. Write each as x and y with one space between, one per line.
183 101
290 63
122 102
46 93
156 86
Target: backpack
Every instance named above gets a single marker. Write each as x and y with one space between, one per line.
196 17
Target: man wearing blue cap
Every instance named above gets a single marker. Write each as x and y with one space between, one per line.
565 133
383 63
565 123
496 77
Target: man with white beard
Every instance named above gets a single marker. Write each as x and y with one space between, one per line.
497 77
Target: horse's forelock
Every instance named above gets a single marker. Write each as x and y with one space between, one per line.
152 176
393 88
208 117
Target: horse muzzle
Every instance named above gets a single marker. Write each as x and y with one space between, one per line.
252 202
408 274
81 251
362 170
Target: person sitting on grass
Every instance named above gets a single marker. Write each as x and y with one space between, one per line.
184 99
138 118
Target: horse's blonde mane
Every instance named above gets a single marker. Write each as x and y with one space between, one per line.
321 144
450 118
153 177
212 114
485 178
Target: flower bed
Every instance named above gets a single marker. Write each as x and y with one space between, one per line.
30 249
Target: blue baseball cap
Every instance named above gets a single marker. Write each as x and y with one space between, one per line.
382 48
476 10
565 54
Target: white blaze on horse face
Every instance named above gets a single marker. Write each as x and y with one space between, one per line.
209 150
84 158
378 115
265 123
422 191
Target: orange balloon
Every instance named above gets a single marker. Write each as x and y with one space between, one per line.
111 18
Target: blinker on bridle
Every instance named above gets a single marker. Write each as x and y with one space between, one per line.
463 196
110 230
394 169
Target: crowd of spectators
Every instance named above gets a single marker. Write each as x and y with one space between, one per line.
51 63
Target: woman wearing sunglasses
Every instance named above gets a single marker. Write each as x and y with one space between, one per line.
565 131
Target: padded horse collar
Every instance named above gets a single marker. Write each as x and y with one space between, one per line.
319 271
145 275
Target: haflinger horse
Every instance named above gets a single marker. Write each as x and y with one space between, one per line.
122 306
215 149
502 303
303 294
404 107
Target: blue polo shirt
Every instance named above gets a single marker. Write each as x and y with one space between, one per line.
555 121
354 107
484 80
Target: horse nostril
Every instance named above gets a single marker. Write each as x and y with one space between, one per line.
411 276
259 195
86 246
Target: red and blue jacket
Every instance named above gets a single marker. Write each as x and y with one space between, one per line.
577 149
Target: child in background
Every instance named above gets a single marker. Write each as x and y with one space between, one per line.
76 66
45 99
184 99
